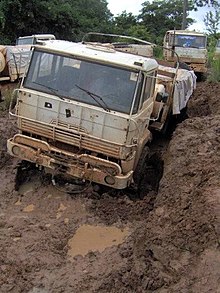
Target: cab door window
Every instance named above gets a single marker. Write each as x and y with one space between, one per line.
149 85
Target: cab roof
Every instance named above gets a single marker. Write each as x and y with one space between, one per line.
186 32
39 36
99 53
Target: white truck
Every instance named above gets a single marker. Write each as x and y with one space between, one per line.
34 39
190 46
87 111
14 59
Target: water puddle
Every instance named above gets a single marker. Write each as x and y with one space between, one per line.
18 202
29 208
27 188
60 210
95 238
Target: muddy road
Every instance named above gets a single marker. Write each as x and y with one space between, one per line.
53 242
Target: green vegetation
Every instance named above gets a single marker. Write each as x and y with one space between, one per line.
214 75
71 19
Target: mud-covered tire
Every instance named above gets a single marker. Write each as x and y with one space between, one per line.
201 76
141 165
23 173
183 65
148 173
140 176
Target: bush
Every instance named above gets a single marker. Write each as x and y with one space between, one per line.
214 74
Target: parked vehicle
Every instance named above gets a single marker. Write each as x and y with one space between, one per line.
34 39
87 111
13 62
15 59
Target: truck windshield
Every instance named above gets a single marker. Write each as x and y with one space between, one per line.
25 41
77 79
190 41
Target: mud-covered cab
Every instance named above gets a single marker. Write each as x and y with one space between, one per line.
190 46
84 110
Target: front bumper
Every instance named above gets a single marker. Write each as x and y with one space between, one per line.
81 166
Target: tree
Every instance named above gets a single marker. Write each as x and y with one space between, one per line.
124 21
68 20
162 15
201 3
212 20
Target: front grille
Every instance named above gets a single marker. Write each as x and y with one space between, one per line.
68 126
71 137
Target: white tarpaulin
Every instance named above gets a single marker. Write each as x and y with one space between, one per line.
185 84
184 87
17 59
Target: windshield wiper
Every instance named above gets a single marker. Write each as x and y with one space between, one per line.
54 91
94 96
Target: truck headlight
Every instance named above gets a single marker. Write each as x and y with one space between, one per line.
110 180
16 150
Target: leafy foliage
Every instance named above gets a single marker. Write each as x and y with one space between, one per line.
212 20
201 3
162 15
71 19
214 74
66 19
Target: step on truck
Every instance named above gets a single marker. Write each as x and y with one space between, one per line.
87 111
191 48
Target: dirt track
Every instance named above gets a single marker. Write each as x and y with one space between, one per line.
166 244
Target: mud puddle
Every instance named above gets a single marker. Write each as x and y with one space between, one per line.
95 238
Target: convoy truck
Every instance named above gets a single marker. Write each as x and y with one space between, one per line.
34 39
191 48
87 111
14 59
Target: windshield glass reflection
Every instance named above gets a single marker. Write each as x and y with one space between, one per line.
66 77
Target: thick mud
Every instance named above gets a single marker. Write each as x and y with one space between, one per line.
51 241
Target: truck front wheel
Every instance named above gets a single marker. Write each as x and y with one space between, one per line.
148 173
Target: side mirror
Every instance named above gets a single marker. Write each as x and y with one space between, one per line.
162 97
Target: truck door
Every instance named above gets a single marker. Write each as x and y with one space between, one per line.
146 103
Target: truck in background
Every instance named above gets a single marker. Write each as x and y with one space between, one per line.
14 59
13 62
190 46
87 111
34 39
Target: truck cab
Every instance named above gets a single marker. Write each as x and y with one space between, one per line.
84 110
34 39
190 46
